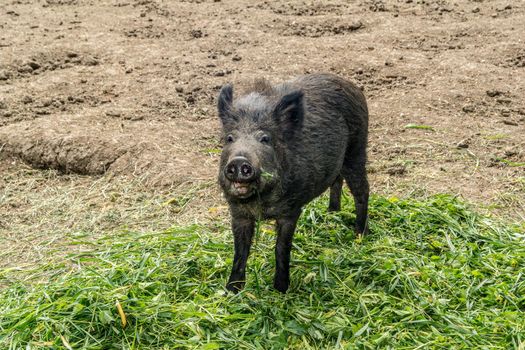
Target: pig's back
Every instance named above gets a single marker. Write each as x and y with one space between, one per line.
335 119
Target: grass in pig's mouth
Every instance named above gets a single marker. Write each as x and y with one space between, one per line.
244 190
266 175
433 274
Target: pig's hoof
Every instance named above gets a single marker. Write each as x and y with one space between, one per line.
334 208
235 287
281 286
361 234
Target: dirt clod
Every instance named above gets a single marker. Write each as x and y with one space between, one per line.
24 69
91 61
463 143
493 93
34 65
4 75
196 33
27 99
396 170
113 114
468 109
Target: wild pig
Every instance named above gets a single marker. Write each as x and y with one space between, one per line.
284 145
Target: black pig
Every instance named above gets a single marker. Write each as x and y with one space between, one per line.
284 145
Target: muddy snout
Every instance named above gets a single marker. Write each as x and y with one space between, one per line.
239 169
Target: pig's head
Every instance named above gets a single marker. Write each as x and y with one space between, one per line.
256 130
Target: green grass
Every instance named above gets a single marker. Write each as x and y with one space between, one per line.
509 162
419 126
432 274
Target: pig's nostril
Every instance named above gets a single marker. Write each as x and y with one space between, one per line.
246 170
239 169
231 171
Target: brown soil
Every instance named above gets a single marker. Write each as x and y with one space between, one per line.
128 87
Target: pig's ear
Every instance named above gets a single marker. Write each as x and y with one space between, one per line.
289 112
224 103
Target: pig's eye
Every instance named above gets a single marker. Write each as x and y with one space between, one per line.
265 139
229 139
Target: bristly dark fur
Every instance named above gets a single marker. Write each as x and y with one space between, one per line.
304 135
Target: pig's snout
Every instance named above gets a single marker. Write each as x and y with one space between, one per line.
239 169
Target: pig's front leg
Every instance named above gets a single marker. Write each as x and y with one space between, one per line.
242 234
283 246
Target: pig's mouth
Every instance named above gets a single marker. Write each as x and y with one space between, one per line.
242 189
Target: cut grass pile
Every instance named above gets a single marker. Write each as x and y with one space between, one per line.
432 274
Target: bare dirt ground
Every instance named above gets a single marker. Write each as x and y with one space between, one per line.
115 101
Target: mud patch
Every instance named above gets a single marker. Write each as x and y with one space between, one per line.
314 29
437 42
59 2
372 79
31 107
95 146
302 8
146 32
516 60
49 144
46 61
151 7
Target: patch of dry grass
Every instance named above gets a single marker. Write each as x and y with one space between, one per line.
43 211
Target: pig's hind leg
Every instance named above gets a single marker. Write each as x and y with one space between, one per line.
335 194
354 173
